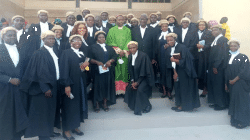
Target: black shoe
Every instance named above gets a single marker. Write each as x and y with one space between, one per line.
211 106
122 95
44 138
78 133
55 134
170 97
203 95
218 108
164 96
138 113
240 126
147 109
68 138
174 108
178 110
105 108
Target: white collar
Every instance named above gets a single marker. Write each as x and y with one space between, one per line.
163 34
20 31
136 54
103 46
216 39
90 27
70 26
77 52
9 46
46 23
48 48
120 27
99 28
154 25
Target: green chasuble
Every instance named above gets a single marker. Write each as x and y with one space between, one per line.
120 38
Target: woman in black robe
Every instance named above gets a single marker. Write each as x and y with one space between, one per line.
73 78
161 50
139 89
173 23
203 40
103 56
237 75
186 90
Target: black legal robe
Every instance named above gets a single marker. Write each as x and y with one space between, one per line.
141 72
202 57
91 40
189 39
216 82
13 117
106 30
34 39
58 49
39 77
64 33
147 43
104 84
239 107
108 25
74 111
186 90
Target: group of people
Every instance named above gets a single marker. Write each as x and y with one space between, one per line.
48 72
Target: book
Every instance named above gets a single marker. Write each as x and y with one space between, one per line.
202 42
177 56
103 69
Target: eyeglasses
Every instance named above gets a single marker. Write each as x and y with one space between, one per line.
76 41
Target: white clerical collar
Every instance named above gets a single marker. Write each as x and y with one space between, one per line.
154 25
70 26
19 33
120 27
129 25
134 57
10 46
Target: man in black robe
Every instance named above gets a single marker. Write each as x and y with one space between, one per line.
105 23
13 117
139 90
216 66
90 20
68 25
99 25
192 24
40 83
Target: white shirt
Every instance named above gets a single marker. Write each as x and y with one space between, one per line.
90 30
154 25
19 33
200 34
70 28
172 52
13 52
163 34
77 52
44 27
184 32
233 55
83 19
129 25
215 40
104 23
171 28
99 29
55 59
143 31
134 57
103 46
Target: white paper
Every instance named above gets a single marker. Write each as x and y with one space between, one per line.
120 61
101 70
